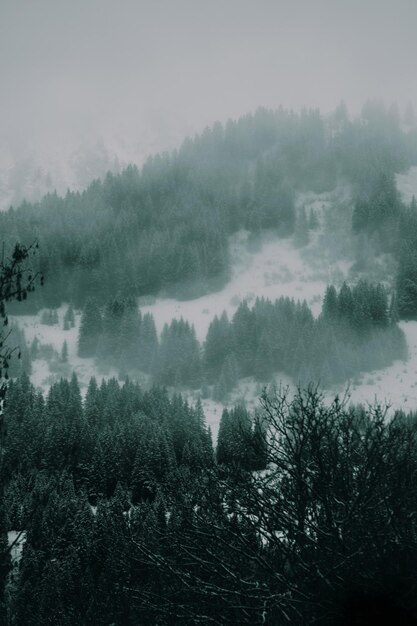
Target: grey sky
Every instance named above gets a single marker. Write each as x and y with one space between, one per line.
85 68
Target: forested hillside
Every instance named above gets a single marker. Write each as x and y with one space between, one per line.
127 516
116 506
166 226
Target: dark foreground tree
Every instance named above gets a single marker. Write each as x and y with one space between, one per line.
16 281
329 527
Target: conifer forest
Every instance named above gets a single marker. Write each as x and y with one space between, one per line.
208 343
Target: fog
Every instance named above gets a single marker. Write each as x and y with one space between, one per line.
134 77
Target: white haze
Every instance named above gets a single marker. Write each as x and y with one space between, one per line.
90 85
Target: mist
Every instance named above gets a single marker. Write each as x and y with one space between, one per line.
132 78
208 364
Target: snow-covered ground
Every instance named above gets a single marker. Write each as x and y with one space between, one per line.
395 385
16 538
277 269
407 184
42 376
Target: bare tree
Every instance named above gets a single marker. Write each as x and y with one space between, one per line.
334 512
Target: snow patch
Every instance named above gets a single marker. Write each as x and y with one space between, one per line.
407 184
42 377
395 385
17 539
277 269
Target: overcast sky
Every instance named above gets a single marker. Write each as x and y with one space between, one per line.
89 68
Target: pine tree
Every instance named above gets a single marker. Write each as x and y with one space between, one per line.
92 409
264 363
224 439
330 307
5 563
179 360
244 334
235 439
406 284
34 349
90 329
142 481
96 476
230 372
69 318
393 309
148 343
64 352
259 451
108 348
345 303
218 345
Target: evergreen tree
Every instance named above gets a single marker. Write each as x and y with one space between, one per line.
330 304
179 360
218 345
69 318
235 442
264 361
64 352
345 303
148 343
224 439
301 236
108 347
34 349
406 284
92 408
244 334
5 563
90 329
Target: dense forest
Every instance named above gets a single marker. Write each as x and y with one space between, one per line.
128 516
117 507
356 331
165 228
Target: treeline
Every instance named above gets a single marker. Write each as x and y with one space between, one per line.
392 227
100 442
406 279
165 228
356 332
388 223
129 517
